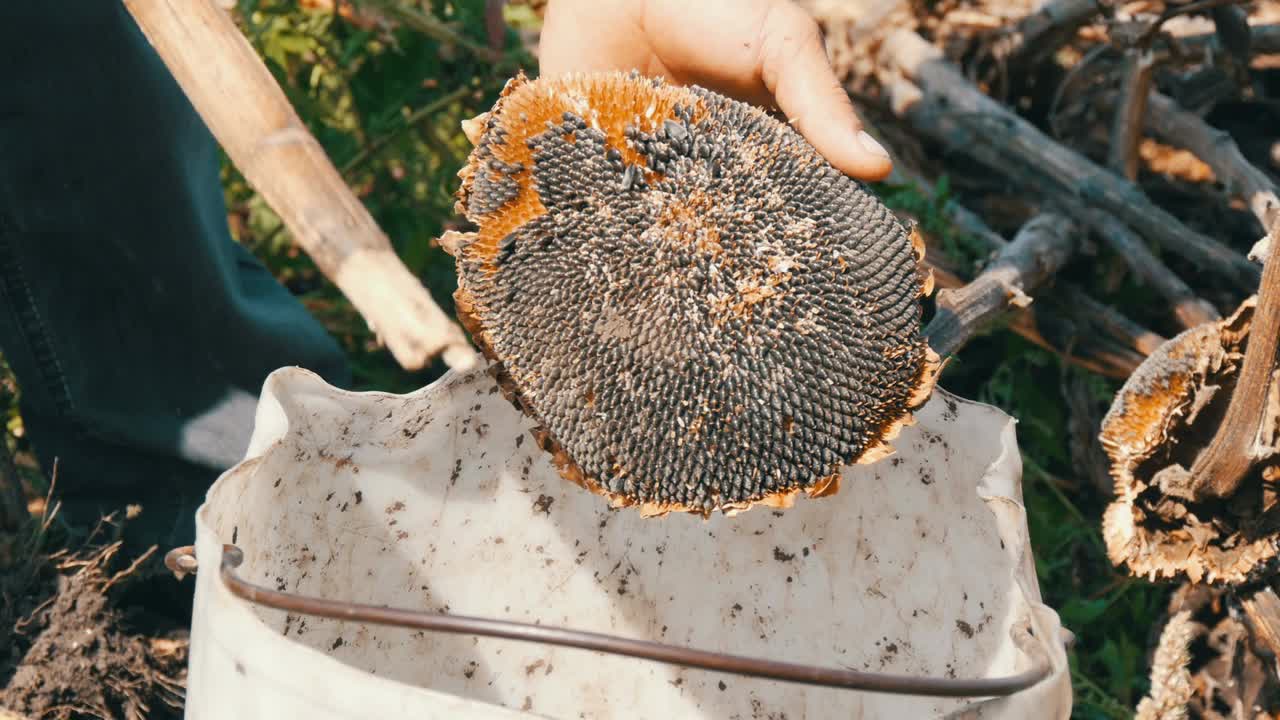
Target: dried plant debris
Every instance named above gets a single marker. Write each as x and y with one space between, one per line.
74 647
699 311
851 29
1171 687
1164 415
1207 664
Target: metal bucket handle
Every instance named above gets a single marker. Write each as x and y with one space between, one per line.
182 560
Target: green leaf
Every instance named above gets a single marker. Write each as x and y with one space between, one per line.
352 46
1078 612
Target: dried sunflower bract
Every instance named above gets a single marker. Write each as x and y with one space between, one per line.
698 310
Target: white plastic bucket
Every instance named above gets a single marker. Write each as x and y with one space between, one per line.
440 500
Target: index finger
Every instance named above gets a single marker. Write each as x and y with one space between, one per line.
795 69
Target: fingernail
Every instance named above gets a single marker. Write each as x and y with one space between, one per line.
869 144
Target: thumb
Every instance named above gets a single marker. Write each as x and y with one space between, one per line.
794 68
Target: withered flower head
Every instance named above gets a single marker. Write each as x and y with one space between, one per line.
1161 419
699 311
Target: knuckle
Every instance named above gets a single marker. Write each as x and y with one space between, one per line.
790 33
799 25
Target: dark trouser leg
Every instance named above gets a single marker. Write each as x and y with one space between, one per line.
140 332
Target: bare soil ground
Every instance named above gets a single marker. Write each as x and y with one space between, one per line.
88 627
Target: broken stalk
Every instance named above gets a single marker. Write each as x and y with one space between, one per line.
1126 127
1221 466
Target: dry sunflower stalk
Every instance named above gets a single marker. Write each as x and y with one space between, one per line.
699 311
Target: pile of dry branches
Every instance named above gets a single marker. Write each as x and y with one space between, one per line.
1107 115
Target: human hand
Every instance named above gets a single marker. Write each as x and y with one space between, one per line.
767 52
